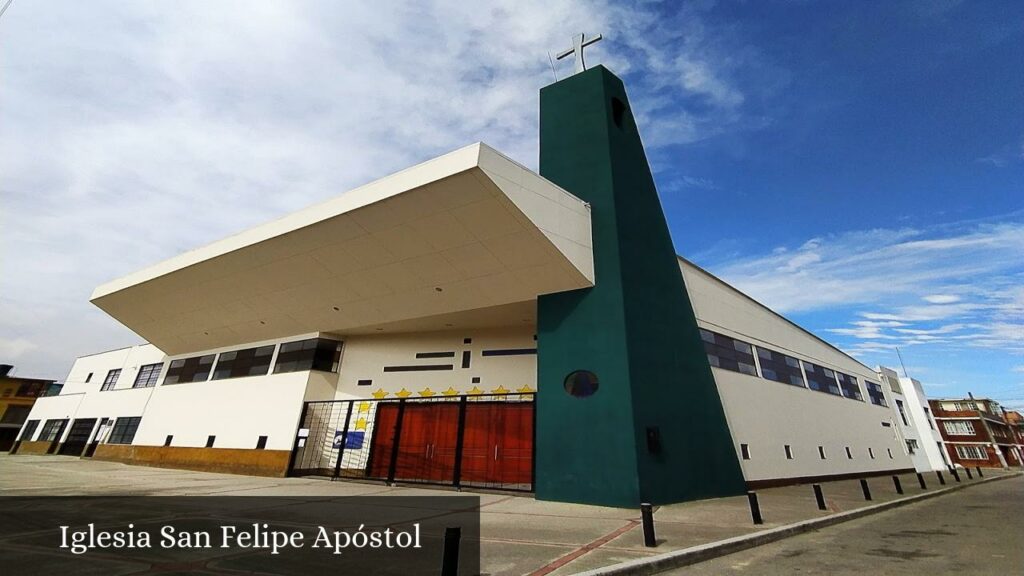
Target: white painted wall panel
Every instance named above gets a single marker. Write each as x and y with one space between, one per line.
768 415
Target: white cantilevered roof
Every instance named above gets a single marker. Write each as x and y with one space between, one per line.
445 240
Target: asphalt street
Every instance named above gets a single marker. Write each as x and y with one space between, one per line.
979 530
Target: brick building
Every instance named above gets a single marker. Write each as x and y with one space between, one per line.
976 432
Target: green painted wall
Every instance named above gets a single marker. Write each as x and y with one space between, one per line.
635 328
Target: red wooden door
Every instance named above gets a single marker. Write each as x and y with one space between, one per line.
444 434
384 419
478 442
514 446
498 444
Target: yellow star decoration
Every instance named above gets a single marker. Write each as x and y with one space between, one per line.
364 407
403 393
361 424
499 390
380 393
427 392
475 391
525 390
450 391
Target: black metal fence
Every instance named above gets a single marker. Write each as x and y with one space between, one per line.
483 441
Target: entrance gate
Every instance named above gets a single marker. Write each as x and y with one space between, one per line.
483 441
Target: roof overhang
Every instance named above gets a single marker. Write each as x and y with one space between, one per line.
468 231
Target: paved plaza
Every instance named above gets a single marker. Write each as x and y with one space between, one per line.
519 535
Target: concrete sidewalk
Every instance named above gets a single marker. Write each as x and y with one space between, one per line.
520 535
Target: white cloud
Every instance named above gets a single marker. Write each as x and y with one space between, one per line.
970 277
130 131
942 298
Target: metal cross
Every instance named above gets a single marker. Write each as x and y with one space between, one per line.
578 44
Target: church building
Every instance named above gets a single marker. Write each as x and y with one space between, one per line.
469 322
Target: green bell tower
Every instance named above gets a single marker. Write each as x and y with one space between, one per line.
654 429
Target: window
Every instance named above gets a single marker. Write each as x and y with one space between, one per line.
124 429
581 383
889 450
903 413
88 378
728 353
780 367
848 385
745 451
168 440
821 452
911 446
241 363
789 452
871 453
110 380
972 452
210 440
29 430
928 417
261 443
849 453
894 383
959 428
15 414
33 389
313 354
821 379
875 393
51 430
148 376
195 369
964 406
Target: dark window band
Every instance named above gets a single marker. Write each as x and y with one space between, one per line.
435 354
423 368
510 352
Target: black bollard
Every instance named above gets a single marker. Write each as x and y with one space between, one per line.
978 468
956 475
647 519
755 509
896 483
941 479
864 488
920 480
969 475
819 497
450 555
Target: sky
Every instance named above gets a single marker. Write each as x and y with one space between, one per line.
856 166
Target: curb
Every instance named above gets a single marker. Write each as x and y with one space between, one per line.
703 552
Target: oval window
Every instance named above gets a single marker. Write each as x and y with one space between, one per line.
581 383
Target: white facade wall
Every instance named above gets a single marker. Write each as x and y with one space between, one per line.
919 433
920 413
237 411
364 358
768 415
83 399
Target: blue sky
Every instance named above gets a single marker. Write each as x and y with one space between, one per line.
858 166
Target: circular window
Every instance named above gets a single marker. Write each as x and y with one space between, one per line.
581 383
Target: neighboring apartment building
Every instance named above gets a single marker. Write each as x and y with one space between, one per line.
914 421
976 432
17 395
1016 422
